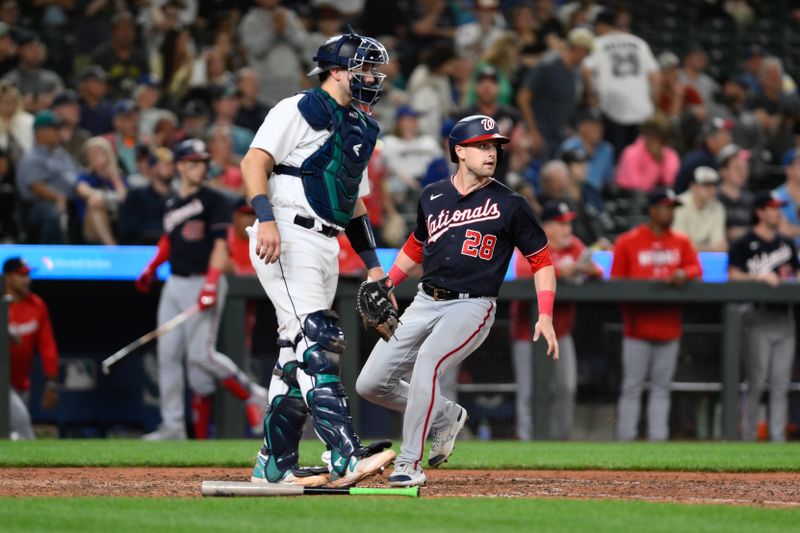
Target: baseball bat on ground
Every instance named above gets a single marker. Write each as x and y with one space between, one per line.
171 324
246 488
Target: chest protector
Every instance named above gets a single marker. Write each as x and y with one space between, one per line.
332 174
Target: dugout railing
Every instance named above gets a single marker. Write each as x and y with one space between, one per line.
727 295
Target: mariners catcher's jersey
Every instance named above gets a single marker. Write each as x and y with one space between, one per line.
289 138
193 223
468 240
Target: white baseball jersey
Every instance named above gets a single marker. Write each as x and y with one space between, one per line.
621 64
290 140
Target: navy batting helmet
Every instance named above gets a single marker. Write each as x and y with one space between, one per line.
191 150
475 129
352 52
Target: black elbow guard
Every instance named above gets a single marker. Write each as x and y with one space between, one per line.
359 233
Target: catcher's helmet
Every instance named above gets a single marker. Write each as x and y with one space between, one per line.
351 52
191 150
475 129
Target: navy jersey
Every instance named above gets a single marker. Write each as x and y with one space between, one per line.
754 255
468 240
193 223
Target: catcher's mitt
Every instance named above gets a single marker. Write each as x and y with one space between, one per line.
375 307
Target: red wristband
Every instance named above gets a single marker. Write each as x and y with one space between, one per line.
546 300
212 277
397 275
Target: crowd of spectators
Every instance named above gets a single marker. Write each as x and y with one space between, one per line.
595 117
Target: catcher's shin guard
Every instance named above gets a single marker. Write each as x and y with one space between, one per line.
327 398
283 426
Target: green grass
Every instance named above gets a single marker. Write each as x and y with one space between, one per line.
709 457
385 515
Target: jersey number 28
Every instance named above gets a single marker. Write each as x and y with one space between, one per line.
477 245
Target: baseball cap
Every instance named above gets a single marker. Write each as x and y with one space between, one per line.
705 175
663 196
46 119
587 114
729 151
66 97
192 150
716 125
27 36
220 92
668 60
92 72
486 71
606 16
768 199
407 111
576 155
557 210
148 80
581 38
123 107
754 50
791 155
16 265
195 108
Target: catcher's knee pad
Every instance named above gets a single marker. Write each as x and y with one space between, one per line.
325 345
283 427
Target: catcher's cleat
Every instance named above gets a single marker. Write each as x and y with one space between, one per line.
304 476
360 468
405 475
444 440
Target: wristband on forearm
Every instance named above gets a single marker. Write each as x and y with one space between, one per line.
212 276
397 275
262 208
545 299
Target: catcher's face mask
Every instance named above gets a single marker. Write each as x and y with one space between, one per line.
366 81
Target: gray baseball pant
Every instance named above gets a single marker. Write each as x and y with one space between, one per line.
195 339
433 338
563 384
770 355
21 426
642 359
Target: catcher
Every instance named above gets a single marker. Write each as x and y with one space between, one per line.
467 228
314 148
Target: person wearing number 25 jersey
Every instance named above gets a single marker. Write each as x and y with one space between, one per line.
467 228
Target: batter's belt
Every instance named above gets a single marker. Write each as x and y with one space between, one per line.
438 294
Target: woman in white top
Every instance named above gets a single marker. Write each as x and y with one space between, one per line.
16 125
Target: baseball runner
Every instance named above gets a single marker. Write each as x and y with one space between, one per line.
196 220
29 330
306 175
651 334
765 255
467 228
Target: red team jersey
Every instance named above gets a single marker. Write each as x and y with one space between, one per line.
29 327
640 254
563 313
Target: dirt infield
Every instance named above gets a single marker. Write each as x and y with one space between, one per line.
767 489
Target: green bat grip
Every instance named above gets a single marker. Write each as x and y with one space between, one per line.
403 491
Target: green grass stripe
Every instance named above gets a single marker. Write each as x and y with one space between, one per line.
348 514
711 457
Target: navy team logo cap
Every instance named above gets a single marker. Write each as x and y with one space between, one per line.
16 265
663 197
559 211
